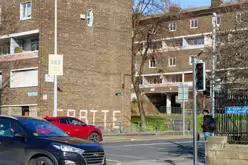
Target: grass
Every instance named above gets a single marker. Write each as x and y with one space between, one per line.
152 121
162 123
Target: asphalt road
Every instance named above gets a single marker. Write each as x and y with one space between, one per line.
164 152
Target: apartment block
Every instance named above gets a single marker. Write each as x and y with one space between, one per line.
185 36
93 37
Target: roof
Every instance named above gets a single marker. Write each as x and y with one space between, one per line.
199 9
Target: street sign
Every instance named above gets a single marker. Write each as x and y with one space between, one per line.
55 66
49 78
238 110
183 93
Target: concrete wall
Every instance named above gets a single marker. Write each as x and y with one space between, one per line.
219 152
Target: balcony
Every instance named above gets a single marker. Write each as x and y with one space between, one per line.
19 47
161 84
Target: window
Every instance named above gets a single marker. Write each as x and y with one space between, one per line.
4 50
199 41
63 121
193 23
172 61
156 45
24 78
218 20
41 128
9 128
172 27
26 11
0 14
34 44
90 18
75 122
191 60
239 17
152 63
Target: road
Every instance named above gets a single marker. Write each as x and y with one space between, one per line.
171 152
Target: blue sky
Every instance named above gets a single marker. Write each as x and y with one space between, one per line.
193 3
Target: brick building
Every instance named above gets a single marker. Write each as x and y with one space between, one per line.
93 36
187 34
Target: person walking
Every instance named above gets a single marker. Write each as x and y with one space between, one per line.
208 125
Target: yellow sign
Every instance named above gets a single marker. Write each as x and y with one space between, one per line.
55 66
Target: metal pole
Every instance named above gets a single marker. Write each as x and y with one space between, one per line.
183 110
213 63
195 114
55 53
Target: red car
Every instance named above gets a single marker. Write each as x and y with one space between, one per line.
76 128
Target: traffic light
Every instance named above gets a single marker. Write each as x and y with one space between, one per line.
200 76
207 91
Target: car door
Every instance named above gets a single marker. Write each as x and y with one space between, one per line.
64 125
12 151
79 129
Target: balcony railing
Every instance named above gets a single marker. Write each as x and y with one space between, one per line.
19 56
164 84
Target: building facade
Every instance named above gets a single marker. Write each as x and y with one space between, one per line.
185 36
93 37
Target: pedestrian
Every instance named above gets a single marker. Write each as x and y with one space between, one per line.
208 125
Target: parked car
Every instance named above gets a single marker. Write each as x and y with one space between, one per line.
76 128
33 141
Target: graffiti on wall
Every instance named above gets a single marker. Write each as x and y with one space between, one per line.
84 116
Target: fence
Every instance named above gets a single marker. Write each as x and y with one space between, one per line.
172 110
232 116
158 127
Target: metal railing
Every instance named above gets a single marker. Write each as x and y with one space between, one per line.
232 117
158 127
170 110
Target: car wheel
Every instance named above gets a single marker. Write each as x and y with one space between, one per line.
95 137
41 161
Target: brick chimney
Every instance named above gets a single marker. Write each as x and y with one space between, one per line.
216 3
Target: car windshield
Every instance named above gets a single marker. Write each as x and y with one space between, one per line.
40 128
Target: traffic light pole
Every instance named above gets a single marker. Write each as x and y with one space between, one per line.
195 112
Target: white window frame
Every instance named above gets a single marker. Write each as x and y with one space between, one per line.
150 63
190 58
171 25
90 18
22 16
19 70
195 27
239 17
169 62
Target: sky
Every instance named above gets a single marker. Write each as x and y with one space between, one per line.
193 3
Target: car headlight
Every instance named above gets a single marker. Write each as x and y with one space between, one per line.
67 148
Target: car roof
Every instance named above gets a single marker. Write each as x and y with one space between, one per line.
57 118
21 117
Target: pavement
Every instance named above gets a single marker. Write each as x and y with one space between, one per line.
117 139
154 152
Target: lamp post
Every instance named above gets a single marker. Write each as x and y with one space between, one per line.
55 112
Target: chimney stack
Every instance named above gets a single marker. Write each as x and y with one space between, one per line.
216 3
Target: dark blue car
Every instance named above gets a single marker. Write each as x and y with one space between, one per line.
35 141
